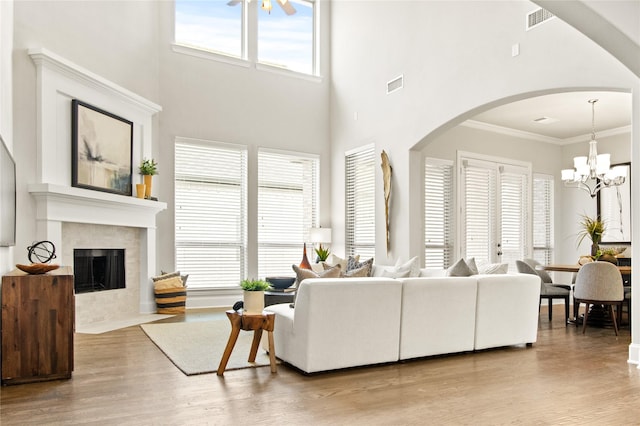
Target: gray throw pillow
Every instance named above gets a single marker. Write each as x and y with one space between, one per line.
459 269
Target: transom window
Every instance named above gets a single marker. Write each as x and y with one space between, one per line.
284 37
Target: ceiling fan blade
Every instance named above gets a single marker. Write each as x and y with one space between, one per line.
287 7
234 2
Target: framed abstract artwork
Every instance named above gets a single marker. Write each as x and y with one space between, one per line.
101 149
614 208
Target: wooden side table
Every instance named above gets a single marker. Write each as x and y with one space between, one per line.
248 322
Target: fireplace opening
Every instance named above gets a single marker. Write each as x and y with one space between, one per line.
98 269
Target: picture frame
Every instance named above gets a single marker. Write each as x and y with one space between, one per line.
614 209
102 149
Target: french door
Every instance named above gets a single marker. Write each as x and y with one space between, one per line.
495 200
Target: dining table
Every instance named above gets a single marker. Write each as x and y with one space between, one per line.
625 271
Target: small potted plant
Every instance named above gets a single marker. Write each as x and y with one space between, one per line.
253 295
592 228
148 168
322 254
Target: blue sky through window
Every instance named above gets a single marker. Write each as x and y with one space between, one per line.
283 41
211 25
287 41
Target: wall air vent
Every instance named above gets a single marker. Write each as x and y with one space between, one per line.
537 17
395 84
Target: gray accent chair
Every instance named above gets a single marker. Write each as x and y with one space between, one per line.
599 283
547 291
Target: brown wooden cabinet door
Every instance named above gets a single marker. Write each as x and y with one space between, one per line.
38 314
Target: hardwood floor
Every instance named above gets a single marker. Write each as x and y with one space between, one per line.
121 378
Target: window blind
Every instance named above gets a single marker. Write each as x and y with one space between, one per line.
287 208
479 211
495 211
514 207
438 213
210 213
543 236
360 202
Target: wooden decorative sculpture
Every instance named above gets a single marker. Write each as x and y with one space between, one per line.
386 178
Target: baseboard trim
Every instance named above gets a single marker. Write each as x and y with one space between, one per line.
634 354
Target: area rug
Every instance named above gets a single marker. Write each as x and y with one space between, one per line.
196 347
116 324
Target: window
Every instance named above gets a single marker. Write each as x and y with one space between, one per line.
438 213
211 25
242 29
360 202
286 41
287 208
211 213
543 218
495 210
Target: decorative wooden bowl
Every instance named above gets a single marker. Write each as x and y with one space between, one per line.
37 268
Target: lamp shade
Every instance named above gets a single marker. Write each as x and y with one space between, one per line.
320 235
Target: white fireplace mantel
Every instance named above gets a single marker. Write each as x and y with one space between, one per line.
70 204
59 82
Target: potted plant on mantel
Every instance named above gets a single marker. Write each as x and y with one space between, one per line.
148 168
254 295
592 228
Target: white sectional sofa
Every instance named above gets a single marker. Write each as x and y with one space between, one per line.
348 322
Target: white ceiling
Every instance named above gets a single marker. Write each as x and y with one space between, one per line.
570 113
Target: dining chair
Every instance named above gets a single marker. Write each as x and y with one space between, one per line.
546 278
547 291
599 283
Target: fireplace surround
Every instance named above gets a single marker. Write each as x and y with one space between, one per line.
67 215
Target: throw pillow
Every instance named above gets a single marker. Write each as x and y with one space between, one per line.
364 271
353 263
494 268
459 269
412 266
471 263
396 274
171 282
164 275
337 260
303 274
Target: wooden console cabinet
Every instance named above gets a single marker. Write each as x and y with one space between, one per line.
38 313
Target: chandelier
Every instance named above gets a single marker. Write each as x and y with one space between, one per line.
594 167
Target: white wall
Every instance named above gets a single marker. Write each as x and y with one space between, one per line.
216 101
129 43
545 158
115 40
456 61
574 202
6 100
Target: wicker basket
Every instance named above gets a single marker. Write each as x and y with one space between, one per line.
171 300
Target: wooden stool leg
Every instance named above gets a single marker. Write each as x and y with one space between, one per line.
233 337
272 352
257 335
235 332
